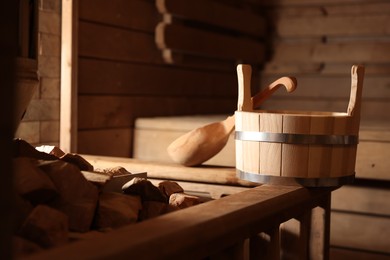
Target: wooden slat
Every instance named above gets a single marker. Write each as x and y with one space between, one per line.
342 254
108 77
186 39
318 68
110 142
205 174
135 14
377 52
188 60
120 111
214 191
362 8
68 89
305 2
107 42
362 200
358 231
372 160
362 25
214 13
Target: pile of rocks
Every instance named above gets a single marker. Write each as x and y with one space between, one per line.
57 201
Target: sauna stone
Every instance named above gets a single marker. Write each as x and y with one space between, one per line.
46 226
170 187
116 210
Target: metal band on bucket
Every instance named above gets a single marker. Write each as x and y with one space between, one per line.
296 138
307 182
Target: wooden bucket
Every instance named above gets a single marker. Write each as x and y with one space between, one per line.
310 148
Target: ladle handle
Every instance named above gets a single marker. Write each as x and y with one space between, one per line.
290 83
357 76
244 102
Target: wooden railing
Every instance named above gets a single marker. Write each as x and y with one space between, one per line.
247 225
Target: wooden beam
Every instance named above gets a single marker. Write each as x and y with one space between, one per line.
68 106
207 43
213 13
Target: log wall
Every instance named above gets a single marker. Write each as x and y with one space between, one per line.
318 42
144 58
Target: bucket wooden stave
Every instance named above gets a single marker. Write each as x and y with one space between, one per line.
309 148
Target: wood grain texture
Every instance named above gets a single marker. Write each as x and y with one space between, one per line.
367 237
320 155
112 142
216 14
271 153
205 43
165 170
120 111
365 200
295 157
99 41
362 25
332 52
126 14
110 77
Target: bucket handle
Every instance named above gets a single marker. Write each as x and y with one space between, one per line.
357 76
248 103
244 102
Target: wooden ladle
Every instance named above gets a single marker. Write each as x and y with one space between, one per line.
200 144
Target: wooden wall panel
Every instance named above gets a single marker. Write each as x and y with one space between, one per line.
96 112
111 43
318 42
116 142
109 77
355 230
144 15
124 75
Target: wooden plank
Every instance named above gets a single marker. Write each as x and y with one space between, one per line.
372 160
111 43
108 77
362 25
213 191
189 60
216 14
342 254
159 170
329 69
305 2
137 15
295 157
120 111
362 8
377 52
358 232
362 200
68 89
109 142
204 43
